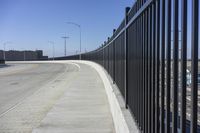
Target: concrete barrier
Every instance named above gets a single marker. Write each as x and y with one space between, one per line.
123 120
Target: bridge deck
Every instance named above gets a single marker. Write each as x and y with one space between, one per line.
83 107
73 102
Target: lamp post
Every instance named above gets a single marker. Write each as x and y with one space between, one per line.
79 26
53 48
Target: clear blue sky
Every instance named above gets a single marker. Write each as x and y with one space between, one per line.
30 24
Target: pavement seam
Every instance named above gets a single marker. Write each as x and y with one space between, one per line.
24 98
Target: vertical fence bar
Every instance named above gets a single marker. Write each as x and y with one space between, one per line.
103 56
134 47
138 58
108 58
153 68
142 61
168 78
175 68
140 66
149 66
194 44
157 115
146 71
183 66
162 109
126 59
142 58
114 58
140 69
143 68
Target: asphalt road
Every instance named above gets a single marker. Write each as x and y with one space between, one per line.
18 81
28 92
53 97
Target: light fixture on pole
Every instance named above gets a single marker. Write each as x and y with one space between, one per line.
79 26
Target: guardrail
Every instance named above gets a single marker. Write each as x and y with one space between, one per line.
139 57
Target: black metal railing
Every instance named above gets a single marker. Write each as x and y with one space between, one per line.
151 66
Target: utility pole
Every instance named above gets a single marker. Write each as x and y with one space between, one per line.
65 39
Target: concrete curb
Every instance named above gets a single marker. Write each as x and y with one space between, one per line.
123 120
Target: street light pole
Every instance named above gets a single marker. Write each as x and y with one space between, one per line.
65 39
79 26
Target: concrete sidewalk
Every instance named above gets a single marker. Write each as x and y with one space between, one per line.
83 108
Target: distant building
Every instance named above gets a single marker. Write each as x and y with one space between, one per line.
27 55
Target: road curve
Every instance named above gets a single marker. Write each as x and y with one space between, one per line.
30 93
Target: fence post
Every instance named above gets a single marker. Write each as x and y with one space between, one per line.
194 66
104 64
126 57
114 30
108 47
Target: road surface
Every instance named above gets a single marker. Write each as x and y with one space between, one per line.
18 81
32 94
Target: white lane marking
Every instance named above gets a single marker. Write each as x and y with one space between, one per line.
49 82
14 106
74 64
25 97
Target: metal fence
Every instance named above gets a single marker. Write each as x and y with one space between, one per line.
147 59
